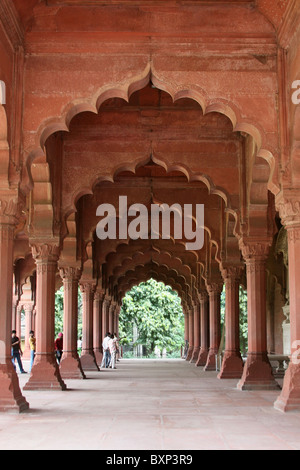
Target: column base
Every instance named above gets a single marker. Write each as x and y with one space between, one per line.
88 361
26 354
98 356
289 398
45 375
232 365
11 398
202 358
211 360
189 354
195 355
257 374
70 367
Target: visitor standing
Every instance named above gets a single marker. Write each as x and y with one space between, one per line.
32 344
16 351
112 344
59 347
106 353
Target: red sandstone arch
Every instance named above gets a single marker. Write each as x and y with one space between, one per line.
168 276
124 91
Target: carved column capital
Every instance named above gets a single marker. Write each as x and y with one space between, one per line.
70 273
255 248
10 209
45 251
99 294
87 287
232 272
28 307
288 206
203 296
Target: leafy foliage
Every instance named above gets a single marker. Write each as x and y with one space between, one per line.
155 310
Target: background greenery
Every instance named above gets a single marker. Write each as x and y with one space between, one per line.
156 311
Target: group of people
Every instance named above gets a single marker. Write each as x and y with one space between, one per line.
17 353
111 352
16 350
110 347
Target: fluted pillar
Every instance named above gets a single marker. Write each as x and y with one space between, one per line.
97 325
88 360
289 210
214 293
45 374
232 364
111 316
257 373
28 309
204 316
196 348
11 398
191 334
105 325
70 365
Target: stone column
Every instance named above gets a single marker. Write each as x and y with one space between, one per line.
28 308
286 331
18 319
45 374
88 361
196 349
105 307
257 373
70 366
111 316
186 332
214 292
204 320
16 299
289 210
117 315
97 325
11 398
191 334
232 364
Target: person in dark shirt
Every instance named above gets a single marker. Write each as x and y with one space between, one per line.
59 347
16 351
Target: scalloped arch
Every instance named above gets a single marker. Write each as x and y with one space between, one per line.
124 91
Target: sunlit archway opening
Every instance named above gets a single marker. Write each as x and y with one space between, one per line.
151 322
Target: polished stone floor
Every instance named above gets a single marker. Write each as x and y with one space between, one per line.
150 405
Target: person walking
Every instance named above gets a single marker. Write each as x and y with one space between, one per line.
16 351
32 344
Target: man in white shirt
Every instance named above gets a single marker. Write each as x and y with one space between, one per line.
106 352
112 344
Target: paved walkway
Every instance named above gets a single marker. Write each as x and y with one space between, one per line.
150 405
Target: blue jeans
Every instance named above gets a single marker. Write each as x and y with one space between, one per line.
106 358
16 355
32 356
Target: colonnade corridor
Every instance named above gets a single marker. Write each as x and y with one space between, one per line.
148 404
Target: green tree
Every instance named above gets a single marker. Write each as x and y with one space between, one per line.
155 310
